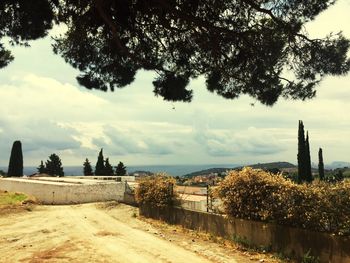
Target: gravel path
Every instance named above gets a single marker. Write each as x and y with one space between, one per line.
97 233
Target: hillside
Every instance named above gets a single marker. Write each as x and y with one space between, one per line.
207 171
273 165
337 164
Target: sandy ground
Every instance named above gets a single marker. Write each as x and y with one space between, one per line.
104 233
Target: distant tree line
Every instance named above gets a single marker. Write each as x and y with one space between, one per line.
53 166
103 167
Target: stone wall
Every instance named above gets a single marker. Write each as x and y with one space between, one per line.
293 242
50 192
126 178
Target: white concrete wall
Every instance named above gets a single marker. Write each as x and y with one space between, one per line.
195 205
65 193
127 178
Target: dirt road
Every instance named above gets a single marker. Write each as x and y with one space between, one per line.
95 233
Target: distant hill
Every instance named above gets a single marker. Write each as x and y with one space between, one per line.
337 164
207 171
273 165
278 165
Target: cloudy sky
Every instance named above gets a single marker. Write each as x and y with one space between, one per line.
43 106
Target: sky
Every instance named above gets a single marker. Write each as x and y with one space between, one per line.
43 106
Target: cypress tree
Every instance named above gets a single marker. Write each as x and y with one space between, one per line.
108 168
100 166
308 172
41 168
54 165
16 160
320 165
87 167
301 153
120 169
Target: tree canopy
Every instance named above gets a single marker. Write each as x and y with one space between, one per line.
16 160
54 165
100 165
108 168
304 158
41 168
320 165
240 46
87 169
21 21
120 169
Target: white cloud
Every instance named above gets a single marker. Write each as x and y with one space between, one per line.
46 98
245 142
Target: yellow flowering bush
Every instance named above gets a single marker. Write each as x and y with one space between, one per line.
259 195
156 190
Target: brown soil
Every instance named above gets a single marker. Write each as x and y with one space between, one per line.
107 233
5 210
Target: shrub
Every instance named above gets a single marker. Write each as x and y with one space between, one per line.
258 195
156 190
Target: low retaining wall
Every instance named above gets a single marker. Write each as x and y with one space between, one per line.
57 193
125 178
293 242
194 205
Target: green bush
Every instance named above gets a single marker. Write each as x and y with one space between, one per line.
258 195
157 191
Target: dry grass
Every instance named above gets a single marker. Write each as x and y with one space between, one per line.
15 202
7 198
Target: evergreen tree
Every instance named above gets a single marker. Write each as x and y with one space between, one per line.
320 165
301 153
120 169
100 166
54 165
108 168
41 168
16 160
308 172
87 167
304 158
